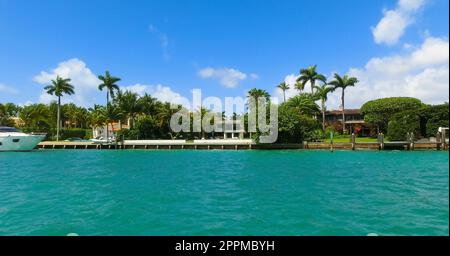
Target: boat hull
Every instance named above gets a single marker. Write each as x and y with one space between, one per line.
20 143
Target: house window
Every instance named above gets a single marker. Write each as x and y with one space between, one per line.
16 140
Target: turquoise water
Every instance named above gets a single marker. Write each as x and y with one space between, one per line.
224 193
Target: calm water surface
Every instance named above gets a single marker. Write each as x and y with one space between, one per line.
224 193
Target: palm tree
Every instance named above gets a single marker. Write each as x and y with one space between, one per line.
304 103
96 117
343 82
284 87
59 87
148 104
299 86
258 93
128 102
202 111
322 94
310 75
108 83
165 113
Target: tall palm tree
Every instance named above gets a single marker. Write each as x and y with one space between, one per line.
343 83
59 87
322 94
255 94
108 83
202 111
258 93
128 102
310 75
299 86
284 87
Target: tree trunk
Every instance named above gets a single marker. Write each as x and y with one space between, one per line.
58 121
284 95
312 86
323 114
343 111
107 122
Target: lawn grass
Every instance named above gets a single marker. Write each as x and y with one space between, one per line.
346 139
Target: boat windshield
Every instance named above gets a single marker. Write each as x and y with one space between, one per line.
8 129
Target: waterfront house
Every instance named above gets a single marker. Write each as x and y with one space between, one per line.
354 122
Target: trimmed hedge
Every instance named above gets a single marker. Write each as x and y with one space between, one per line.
403 123
380 111
76 133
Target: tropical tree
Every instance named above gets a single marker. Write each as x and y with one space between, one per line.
35 118
322 94
5 117
202 111
129 104
164 114
59 87
108 83
96 117
343 83
305 104
284 87
309 75
148 104
258 93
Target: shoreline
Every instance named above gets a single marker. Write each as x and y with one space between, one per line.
241 145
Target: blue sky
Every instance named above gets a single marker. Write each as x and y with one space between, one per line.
167 48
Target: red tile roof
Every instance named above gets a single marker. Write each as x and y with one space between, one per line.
347 112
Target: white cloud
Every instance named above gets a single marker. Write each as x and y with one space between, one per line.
7 89
422 73
392 26
85 82
228 77
162 93
291 80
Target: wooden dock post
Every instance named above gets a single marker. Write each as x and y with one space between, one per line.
353 140
438 141
381 140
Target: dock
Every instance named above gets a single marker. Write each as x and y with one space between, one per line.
237 145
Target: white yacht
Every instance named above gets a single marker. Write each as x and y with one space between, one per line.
12 139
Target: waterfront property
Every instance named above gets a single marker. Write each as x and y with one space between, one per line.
187 192
354 122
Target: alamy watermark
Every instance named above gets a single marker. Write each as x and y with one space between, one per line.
214 115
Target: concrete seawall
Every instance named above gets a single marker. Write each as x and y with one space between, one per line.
237 145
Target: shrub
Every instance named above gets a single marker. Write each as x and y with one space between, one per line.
380 111
433 117
294 127
403 123
75 133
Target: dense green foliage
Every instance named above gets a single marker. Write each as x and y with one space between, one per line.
433 117
294 126
76 133
148 118
403 123
380 111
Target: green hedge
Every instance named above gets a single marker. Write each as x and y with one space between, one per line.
379 112
403 123
434 117
76 133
